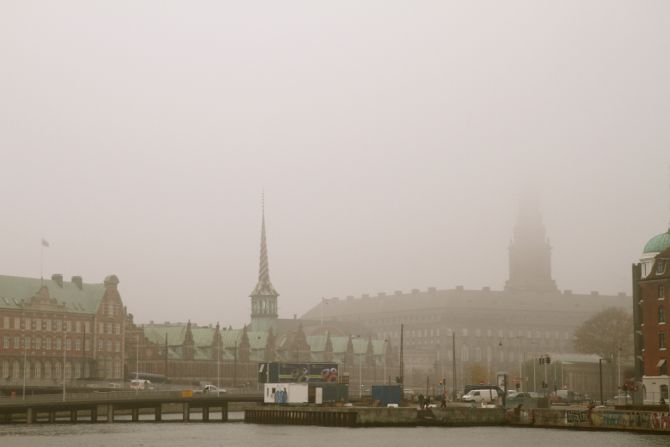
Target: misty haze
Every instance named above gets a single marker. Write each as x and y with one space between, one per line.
236 211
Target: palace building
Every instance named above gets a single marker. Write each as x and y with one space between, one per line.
497 330
53 330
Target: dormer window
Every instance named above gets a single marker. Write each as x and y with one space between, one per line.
660 267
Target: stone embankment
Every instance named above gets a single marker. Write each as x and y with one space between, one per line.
374 416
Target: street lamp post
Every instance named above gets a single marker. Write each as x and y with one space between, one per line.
235 366
218 360
64 345
25 364
360 377
600 372
386 340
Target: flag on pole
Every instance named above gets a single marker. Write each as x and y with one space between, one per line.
45 243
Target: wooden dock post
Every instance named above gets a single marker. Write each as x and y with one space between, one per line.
158 413
29 415
187 412
110 413
135 414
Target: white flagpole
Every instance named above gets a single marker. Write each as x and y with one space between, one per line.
42 263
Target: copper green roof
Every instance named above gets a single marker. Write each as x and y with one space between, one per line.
15 292
658 243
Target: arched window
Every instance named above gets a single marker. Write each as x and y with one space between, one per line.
58 370
37 373
47 370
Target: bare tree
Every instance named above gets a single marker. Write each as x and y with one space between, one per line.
607 333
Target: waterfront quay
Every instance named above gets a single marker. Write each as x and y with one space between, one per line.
578 418
102 407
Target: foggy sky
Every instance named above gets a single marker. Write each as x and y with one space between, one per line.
393 140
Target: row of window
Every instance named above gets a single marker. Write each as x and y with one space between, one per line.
45 370
48 343
422 333
45 324
49 325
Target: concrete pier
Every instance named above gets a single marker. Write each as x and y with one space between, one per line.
52 408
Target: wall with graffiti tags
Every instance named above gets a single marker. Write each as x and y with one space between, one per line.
594 419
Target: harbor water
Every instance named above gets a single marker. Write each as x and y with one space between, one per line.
171 434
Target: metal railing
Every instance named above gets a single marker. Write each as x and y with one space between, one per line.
106 396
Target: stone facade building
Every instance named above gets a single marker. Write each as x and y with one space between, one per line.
54 328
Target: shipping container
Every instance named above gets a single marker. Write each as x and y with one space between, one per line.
386 394
325 393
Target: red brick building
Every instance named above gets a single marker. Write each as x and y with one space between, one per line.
53 328
651 289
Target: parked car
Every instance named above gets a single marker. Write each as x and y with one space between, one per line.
211 389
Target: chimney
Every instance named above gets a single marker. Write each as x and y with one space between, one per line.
77 281
58 279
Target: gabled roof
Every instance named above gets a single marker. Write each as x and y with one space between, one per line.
156 333
16 292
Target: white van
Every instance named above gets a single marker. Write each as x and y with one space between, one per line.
477 396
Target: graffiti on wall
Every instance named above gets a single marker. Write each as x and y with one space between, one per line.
576 416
